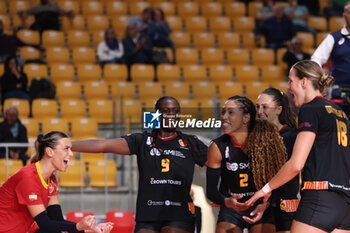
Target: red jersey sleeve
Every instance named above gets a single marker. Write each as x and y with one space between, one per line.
28 191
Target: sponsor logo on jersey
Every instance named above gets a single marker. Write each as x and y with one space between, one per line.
235 166
227 152
151 120
305 125
181 143
156 152
149 141
191 207
33 197
247 194
165 181
289 205
162 203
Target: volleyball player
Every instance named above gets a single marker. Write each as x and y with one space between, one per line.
31 194
321 150
273 105
165 159
247 153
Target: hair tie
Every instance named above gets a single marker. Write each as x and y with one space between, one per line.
324 79
40 138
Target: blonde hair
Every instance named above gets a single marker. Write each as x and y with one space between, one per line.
311 70
43 141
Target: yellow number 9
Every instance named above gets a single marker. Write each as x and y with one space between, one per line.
165 165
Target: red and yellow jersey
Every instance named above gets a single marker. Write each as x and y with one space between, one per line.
26 187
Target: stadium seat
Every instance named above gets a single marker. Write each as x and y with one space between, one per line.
51 38
149 104
77 23
147 90
5 20
249 41
238 56
220 73
18 22
263 57
22 106
307 38
253 89
119 23
189 107
32 126
2 69
243 24
61 72
88 73
272 73
35 71
12 165
77 216
181 39
83 55
228 40
203 90
101 110
124 221
136 8
3 8
29 36
317 22
57 55
68 90
235 9
95 90
92 157
69 5
178 90
123 89
167 72
336 23
320 36
43 108
167 7
115 72
97 23
207 107
114 8
282 86
228 89
212 56
17 5
203 40
141 72
29 53
175 23
194 73
72 108
219 24
84 127
73 178
196 24
132 111
186 56
78 39
52 124
211 9
254 7
97 37
187 9
246 73
92 8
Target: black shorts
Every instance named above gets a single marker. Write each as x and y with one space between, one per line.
323 209
283 219
158 225
231 216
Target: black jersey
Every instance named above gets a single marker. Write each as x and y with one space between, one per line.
236 171
166 170
328 164
290 189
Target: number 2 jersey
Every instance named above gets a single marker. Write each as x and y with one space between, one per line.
236 171
328 164
166 169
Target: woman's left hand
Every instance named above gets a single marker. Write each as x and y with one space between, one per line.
257 213
259 194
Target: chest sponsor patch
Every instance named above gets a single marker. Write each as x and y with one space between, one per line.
33 197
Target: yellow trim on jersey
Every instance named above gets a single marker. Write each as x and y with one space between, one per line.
315 185
43 182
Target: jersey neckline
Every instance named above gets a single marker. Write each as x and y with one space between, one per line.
167 138
43 182
235 144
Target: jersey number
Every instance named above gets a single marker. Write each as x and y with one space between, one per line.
243 182
165 165
342 130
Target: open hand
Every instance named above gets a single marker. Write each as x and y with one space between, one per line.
232 202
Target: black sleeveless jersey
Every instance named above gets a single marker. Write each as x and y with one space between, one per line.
166 170
236 171
290 189
328 164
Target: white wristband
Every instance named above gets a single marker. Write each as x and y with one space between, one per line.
266 189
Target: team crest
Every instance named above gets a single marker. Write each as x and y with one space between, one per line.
191 207
33 197
51 187
181 143
149 141
227 152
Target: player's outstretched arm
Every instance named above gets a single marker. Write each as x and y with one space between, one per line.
116 146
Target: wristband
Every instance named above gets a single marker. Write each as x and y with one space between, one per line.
266 189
